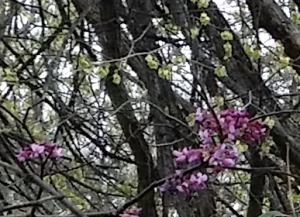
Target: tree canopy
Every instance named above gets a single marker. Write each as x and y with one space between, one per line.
115 86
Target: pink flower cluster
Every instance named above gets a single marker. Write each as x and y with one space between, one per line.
218 133
232 123
134 212
34 151
185 184
218 155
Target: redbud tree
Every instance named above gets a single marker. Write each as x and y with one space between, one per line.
217 150
218 134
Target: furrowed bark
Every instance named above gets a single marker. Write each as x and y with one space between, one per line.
109 34
275 21
160 94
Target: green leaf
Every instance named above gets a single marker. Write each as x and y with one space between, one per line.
165 72
194 32
219 101
227 36
190 119
104 70
256 54
220 71
116 78
284 62
202 3
179 59
242 147
295 16
296 197
272 214
269 122
170 27
265 147
204 19
83 62
10 76
248 49
297 78
152 61
228 50
279 47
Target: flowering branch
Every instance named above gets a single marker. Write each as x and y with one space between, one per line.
219 133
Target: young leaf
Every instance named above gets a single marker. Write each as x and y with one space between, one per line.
242 147
202 3
269 122
227 36
152 61
116 78
191 119
220 71
104 70
204 19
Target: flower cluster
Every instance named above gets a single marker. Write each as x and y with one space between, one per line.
231 123
218 155
184 184
218 133
34 151
134 212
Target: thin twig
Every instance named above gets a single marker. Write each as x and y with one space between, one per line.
289 184
28 204
46 187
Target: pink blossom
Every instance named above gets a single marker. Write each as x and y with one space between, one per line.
56 153
53 150
37 150
223 156
34 151
22 155
198 180
135 212
181 156
165 187
230 125
199 117
183 187
186 155
205 135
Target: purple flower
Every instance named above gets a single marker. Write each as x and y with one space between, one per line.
223 157
34 151
56 153
233 124
199 116
183 187
22 155
135 212
197 181
186 155
37 150
205 136
181 156
53 150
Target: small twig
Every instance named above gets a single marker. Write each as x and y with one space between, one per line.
276 113
168 143
46 187
264 169
28 204
250 100
289 184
